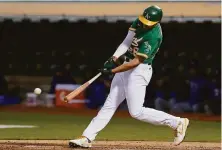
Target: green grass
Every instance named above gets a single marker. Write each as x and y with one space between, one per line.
69 126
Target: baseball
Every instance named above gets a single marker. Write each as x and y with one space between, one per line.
37 91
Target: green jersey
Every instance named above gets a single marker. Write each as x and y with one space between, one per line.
146 42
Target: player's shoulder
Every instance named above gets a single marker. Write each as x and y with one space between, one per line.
157 30
134 25
155 33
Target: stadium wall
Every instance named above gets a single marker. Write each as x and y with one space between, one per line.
186 9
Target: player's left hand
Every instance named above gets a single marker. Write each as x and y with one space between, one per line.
106 71
110 63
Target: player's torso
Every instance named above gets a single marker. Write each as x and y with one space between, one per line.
142 36
134 47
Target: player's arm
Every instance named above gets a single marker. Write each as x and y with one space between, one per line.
148 49
139 58
145 50
124 46
127 66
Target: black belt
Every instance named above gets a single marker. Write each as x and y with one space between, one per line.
128 60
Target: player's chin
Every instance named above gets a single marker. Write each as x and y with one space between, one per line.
148 27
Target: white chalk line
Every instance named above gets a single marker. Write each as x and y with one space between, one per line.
3 126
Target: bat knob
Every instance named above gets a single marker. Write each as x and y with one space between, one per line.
65 100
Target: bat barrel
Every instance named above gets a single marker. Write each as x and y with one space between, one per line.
80 89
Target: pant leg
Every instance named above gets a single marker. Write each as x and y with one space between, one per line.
135 87
115 97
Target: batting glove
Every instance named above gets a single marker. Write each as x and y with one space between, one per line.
109 64
106 71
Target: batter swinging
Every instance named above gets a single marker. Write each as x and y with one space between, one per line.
131 78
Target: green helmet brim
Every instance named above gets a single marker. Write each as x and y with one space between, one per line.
146 22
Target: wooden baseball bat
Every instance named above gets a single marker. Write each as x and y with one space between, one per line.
77 91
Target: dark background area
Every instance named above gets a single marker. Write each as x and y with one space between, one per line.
189 51
25 45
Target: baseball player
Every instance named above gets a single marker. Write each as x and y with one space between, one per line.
131 78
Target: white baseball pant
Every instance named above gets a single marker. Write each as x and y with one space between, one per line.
132 86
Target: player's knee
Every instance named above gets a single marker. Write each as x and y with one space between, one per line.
136 113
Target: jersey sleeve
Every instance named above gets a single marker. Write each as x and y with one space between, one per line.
148 48
134 25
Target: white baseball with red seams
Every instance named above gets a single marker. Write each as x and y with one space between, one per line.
37 91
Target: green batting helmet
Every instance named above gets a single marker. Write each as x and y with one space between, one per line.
151 15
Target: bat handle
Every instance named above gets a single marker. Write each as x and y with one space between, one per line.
94 78
65 99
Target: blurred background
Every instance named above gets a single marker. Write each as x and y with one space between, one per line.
59 46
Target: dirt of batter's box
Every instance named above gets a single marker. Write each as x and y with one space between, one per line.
105 145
